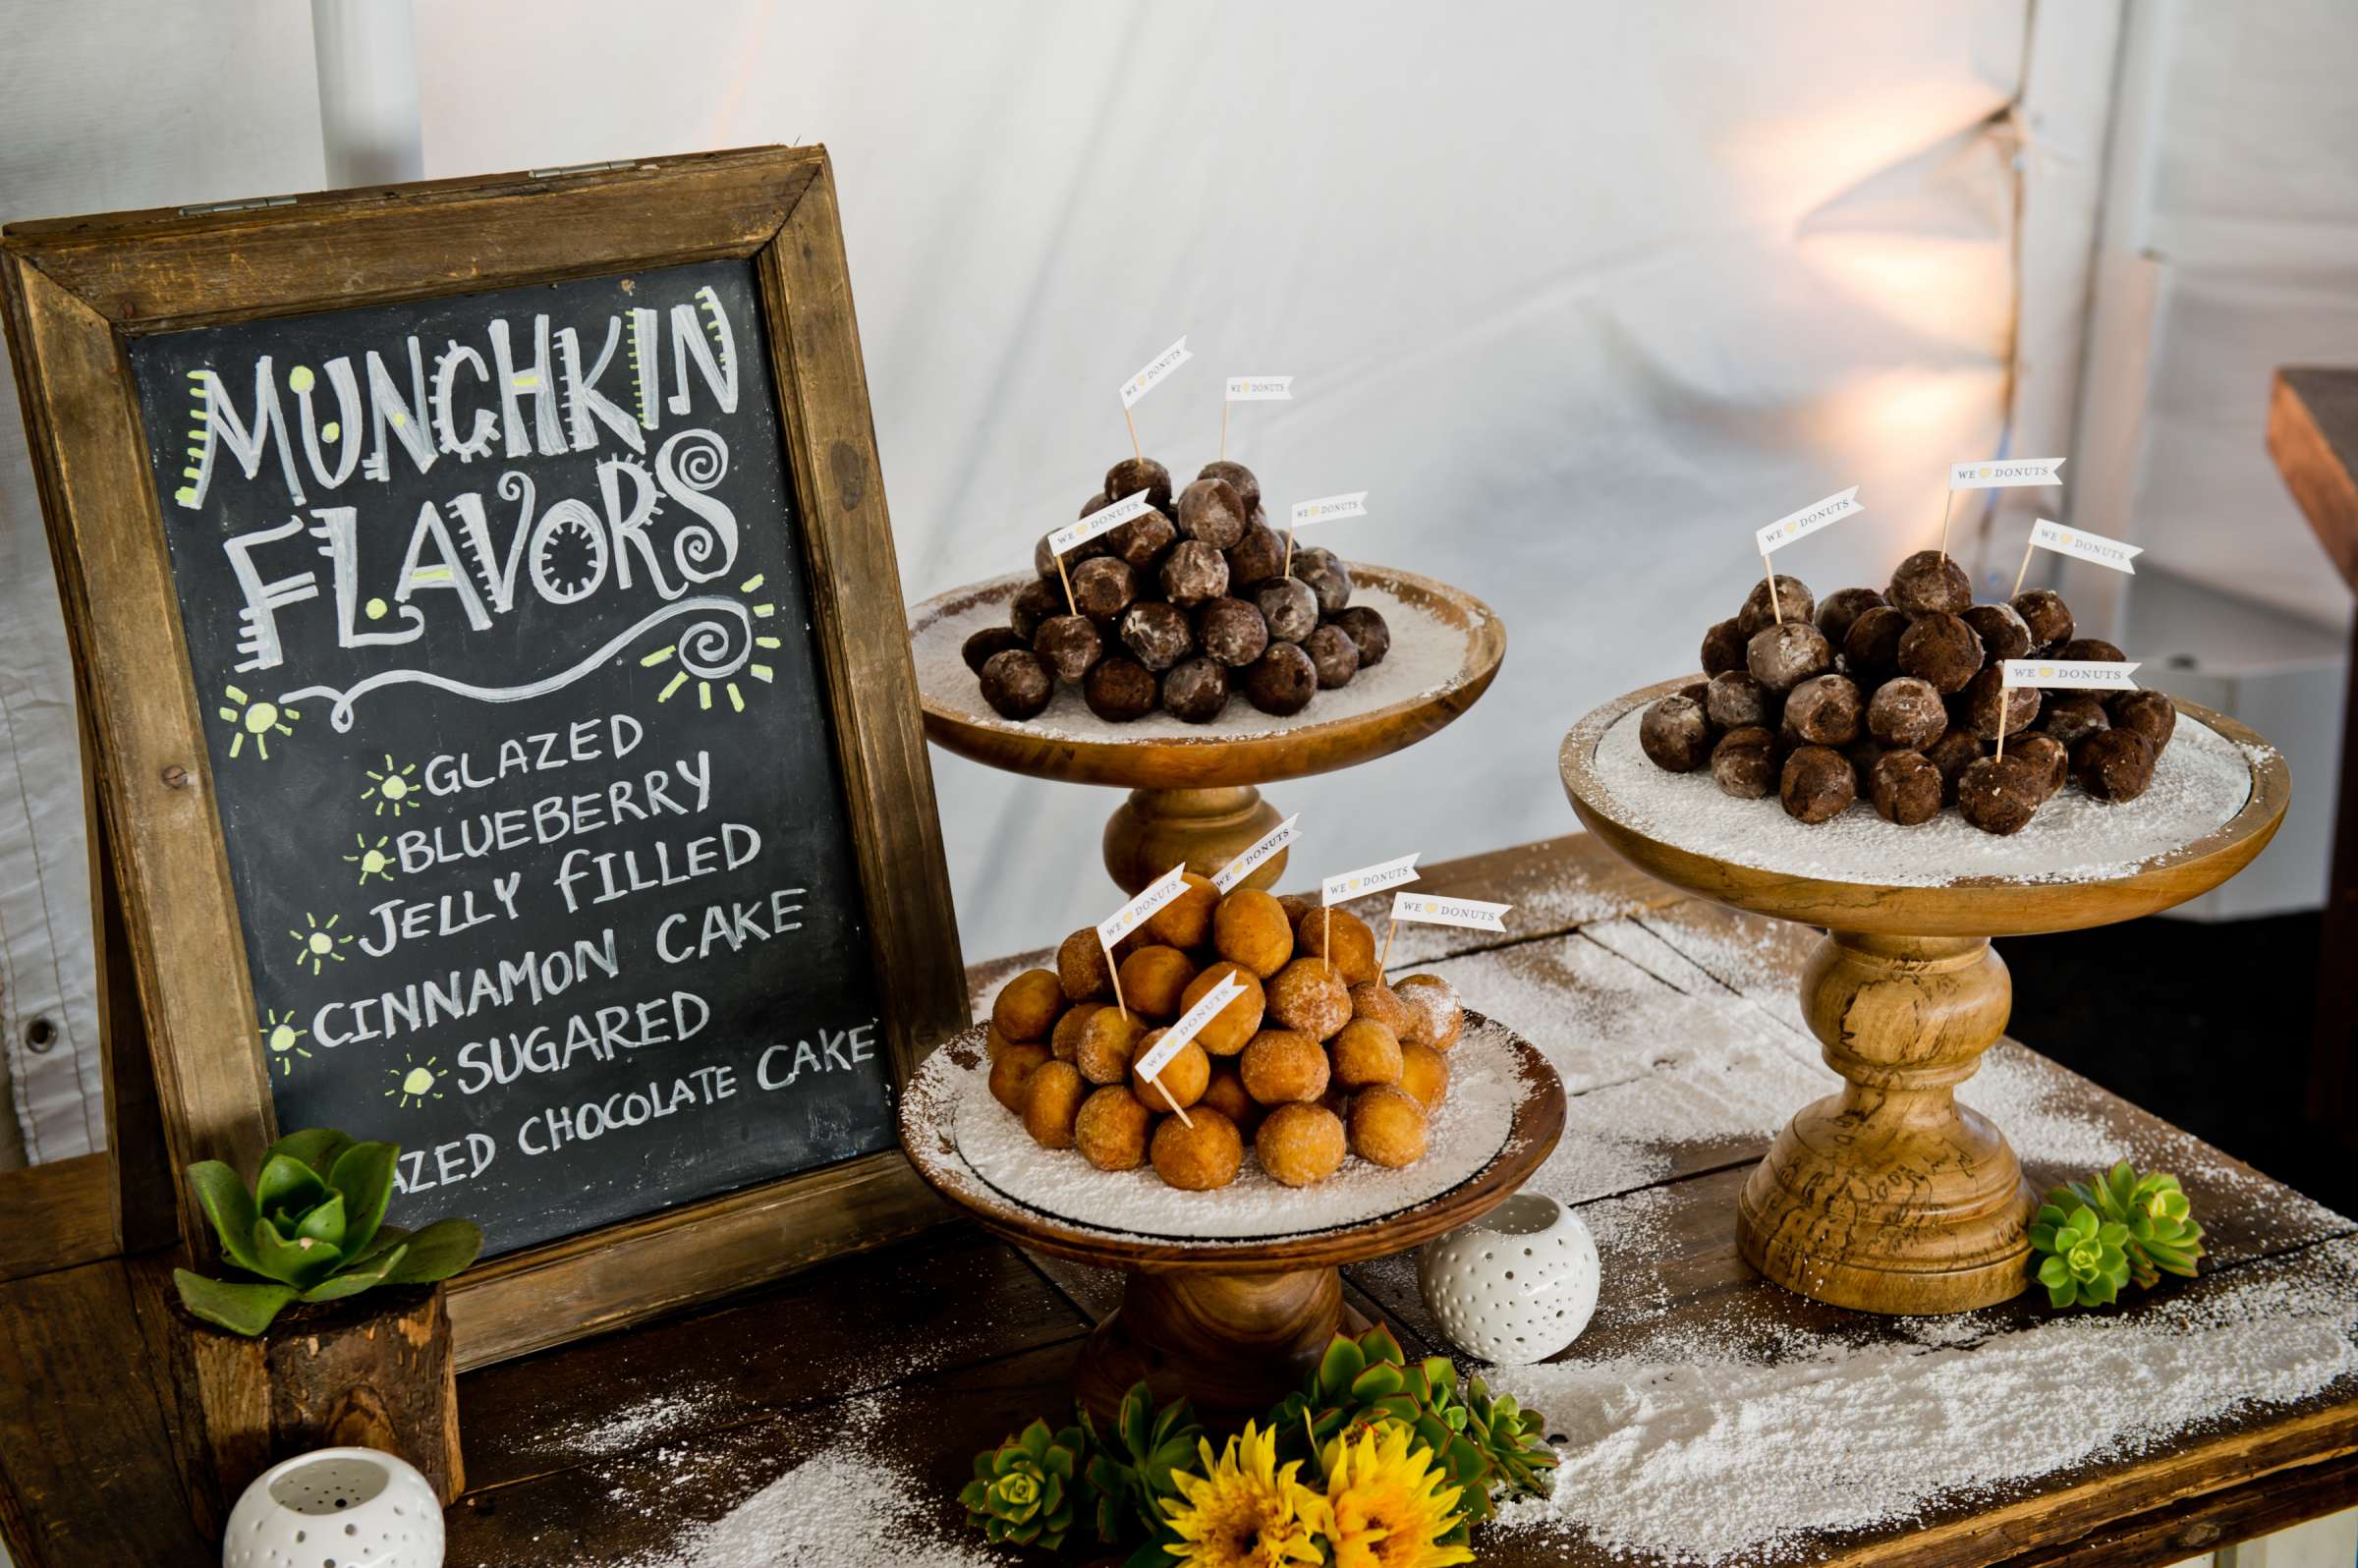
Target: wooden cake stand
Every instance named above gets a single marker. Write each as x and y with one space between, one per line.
1889 1196
1192 797
1231 1322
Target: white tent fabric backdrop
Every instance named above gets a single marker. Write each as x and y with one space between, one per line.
1580 294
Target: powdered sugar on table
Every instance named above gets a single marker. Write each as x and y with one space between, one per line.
987 1147
2202 780
1427 655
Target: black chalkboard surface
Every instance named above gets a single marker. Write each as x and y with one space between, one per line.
497 608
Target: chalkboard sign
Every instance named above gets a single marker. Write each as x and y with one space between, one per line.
485 611
533 817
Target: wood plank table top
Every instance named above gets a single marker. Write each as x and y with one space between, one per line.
2313 435
830 1418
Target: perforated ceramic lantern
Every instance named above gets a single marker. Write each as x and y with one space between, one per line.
336 1508
1516 1285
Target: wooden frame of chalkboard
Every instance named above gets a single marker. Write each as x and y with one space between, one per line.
81 296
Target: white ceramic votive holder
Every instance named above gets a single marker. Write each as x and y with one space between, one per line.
336 1508
1516 1285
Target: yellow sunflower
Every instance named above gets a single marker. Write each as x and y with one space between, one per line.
1244 1511
1386 1507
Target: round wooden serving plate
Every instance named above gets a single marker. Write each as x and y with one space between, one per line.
1232 1322
1192 794
1889 1196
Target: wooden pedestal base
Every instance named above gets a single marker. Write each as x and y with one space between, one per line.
1156 829
1235 1344
374 1370
1889 1196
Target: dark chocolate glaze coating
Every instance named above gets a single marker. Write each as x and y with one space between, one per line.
1987 701
1332 654
2072 716
1210 510
1953 753
1157 635
1906 713
1255 558
2001 794
1745 763
2046 755
1238 477
1825 710
1033 604
1289 605
1120 689
1194 573
1941 648
2113 764
1196 689
1781 657
977 649
1677 734
1735 700
1017 684
1132 475
2043 612
1724 648
1105 587
1871 649
1905 788
1838 609
1929 583
1817 784
2002 631
1365 625
1070 644
1793 596
2150 714
1231 631
1143 541
1282 681
1327 577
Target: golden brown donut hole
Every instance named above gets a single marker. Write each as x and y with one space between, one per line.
1180 1083
1111 1129
1279 1066
1250 927
1233 1025
1226 1094
1353 943
1200 1157
1065 1041
1027 1006
1387 1126
1301 1145
1365 1054
1107 1046
1309 996
1153 979
1424 1073
1008 1072
1435 1019
1052 1097
1186 920
1081 968
1379 1001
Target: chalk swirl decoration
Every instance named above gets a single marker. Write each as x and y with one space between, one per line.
714 645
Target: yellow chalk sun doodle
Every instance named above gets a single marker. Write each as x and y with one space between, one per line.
318 942
256 719
283 1039
372 859
762 611
394 790
413 1082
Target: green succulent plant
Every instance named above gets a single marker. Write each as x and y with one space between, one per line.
312 1229
1023 1491
1483 1442
1128 1475
2162 1236
2082 1260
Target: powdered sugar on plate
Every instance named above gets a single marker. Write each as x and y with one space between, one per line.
1427 655
1692 1452
2202 780
987 1148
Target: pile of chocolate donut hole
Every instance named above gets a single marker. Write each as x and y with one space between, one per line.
1896 697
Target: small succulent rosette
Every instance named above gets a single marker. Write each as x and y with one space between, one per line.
312 1229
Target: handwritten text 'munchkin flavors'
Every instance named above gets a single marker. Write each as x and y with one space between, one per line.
314 441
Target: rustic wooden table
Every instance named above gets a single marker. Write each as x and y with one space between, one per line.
792 1414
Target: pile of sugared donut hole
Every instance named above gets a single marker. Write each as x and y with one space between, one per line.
1897 698
1318 1059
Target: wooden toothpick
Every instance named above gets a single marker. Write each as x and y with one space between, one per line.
1135 450
1116 971
1386 962
1069 605
2028 545
1776 610
1946 507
